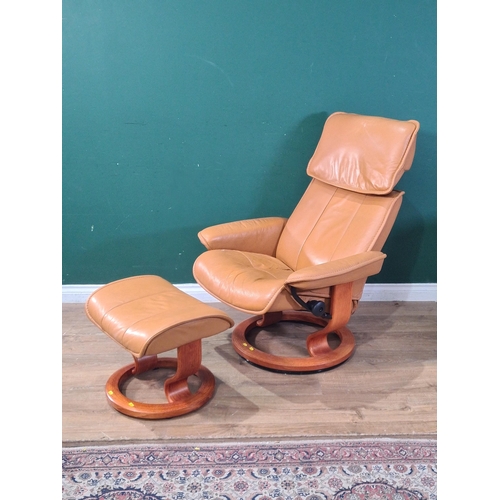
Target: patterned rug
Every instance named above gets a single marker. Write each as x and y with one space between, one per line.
318 470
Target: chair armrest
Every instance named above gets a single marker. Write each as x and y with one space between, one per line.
251 235
339 271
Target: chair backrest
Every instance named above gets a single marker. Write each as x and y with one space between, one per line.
350 205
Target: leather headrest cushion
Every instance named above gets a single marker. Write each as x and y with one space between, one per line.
365 154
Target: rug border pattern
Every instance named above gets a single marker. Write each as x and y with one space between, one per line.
316 469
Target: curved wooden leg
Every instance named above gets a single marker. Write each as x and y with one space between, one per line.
144 364
340 312
188 363
180 399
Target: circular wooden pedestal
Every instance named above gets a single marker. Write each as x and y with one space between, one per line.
321 355
179 401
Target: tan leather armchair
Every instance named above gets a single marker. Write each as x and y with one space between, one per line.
312 267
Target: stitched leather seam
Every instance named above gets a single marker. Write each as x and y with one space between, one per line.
346 228
315 224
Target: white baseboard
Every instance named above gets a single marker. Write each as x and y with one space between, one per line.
401 292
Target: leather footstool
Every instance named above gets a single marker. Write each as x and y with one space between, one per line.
147 316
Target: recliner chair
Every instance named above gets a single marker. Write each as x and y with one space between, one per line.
312 267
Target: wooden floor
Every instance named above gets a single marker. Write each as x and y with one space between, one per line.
388 387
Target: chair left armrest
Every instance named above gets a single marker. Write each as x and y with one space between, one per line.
252 235
346 270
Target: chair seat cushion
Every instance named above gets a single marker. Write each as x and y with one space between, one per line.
251 282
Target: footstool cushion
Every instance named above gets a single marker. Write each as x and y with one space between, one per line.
147 315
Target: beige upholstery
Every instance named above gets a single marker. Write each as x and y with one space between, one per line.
147 315
336 232
365 154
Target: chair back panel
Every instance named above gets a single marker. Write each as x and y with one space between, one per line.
330 223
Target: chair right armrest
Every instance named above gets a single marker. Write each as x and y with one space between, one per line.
251 235
345 270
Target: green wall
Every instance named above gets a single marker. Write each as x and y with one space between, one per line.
179 114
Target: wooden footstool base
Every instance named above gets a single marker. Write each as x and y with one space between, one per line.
147 316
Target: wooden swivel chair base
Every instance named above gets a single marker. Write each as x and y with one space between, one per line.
321 355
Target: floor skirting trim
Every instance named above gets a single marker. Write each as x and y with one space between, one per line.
399 292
